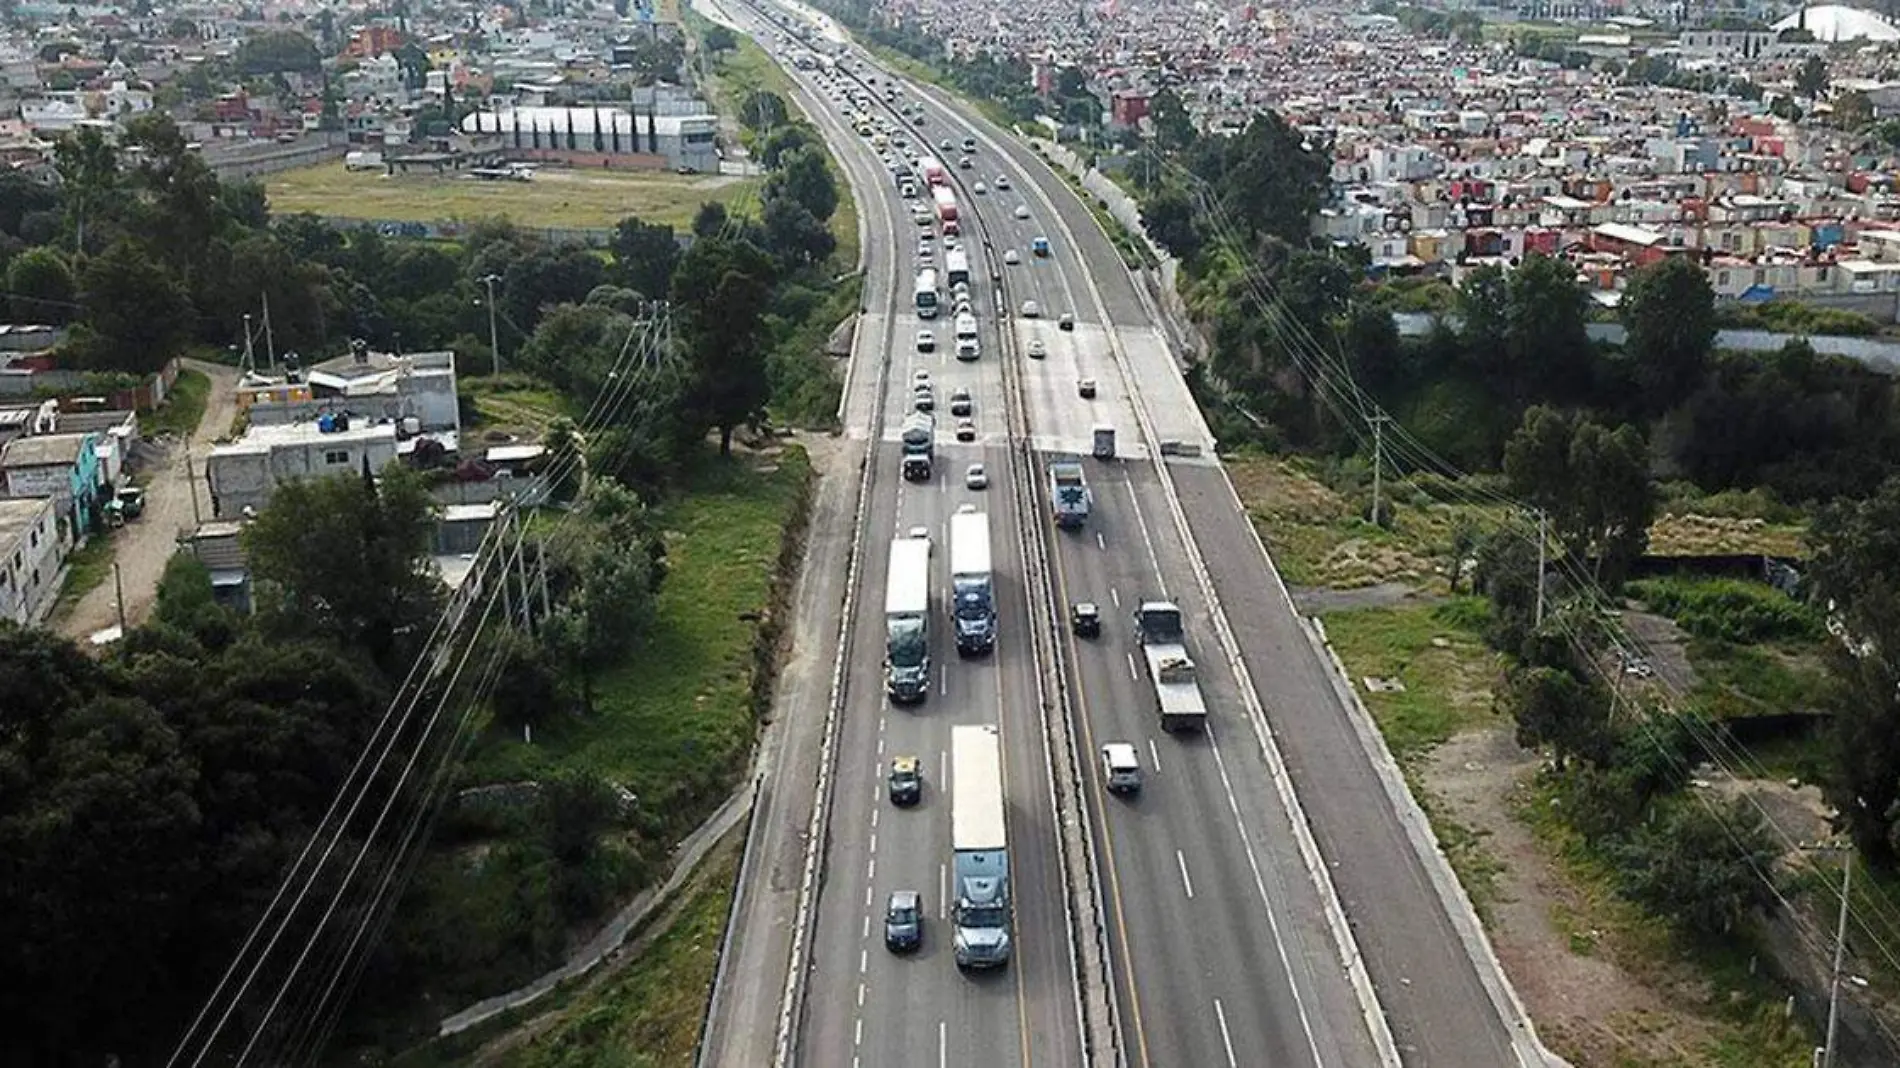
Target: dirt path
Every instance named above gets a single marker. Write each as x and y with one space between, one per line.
1587 1006
143 546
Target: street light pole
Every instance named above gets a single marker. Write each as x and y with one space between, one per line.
494 342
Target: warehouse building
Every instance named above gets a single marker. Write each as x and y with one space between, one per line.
604 136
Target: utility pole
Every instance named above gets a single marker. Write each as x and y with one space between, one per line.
1378 465
270 336
250 354
1840 948
1541 517
494 343
118 590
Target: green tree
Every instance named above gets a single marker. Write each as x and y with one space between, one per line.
40 287
794 234
784 139
761 110
277 52
1708 865
1812 78
1555 709
344 559
1173 126
645 255
723 286
137 316
1593 484
89 179
1169 215
1669 311
804 177
1547 350
718 39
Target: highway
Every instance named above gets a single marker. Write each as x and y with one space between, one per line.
864 1005
1437 1006
1221 953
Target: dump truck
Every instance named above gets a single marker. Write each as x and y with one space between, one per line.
1171 671
979 849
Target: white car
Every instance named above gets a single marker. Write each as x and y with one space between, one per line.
1032 310
979 189
1012 257
1037 350
1022 211
926 342
1121 768
926 250
1002 181
976 478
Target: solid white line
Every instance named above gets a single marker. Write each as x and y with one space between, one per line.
1131 666
943 1043
943 895
1154 755
1186 883
943 682
1226 1039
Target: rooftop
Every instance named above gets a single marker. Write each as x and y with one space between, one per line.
17 516
46 451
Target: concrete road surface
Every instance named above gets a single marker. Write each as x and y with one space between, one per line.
144 544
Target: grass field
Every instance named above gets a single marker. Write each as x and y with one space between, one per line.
183 411
673 722
1436 652
556 198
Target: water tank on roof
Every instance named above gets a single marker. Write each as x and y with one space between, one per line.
342 421
326 423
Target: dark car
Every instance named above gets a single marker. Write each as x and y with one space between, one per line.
907 780
904 921
1085 620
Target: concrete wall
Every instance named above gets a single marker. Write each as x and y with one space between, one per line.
250 159
30 559
246 479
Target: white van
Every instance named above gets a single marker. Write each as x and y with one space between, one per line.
966 327
1121 768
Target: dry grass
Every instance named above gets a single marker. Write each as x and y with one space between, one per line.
1701 535
556 198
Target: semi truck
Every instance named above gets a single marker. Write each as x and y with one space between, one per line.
920 446
1068 494
1171 672
946 201
956 267
907 621
933 171
972 584
980 914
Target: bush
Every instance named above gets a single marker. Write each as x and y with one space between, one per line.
1730 610
1706 865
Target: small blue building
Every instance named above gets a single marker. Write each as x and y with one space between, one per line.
64 467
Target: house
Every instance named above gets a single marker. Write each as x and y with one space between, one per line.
63 467
243 474
31 552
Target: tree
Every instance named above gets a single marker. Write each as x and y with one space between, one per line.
40 287
344 559
1554 708
718 39
1669 311
546 277
1168 215
1853 110
137 316
1267 180
710 220
277 52
1812 78
645 255
761 110
88 167
804 176
1593 484
723 286
1547 346
784 139
1708 865
794 234
1173 126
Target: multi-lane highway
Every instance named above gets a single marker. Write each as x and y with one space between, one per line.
1219 947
